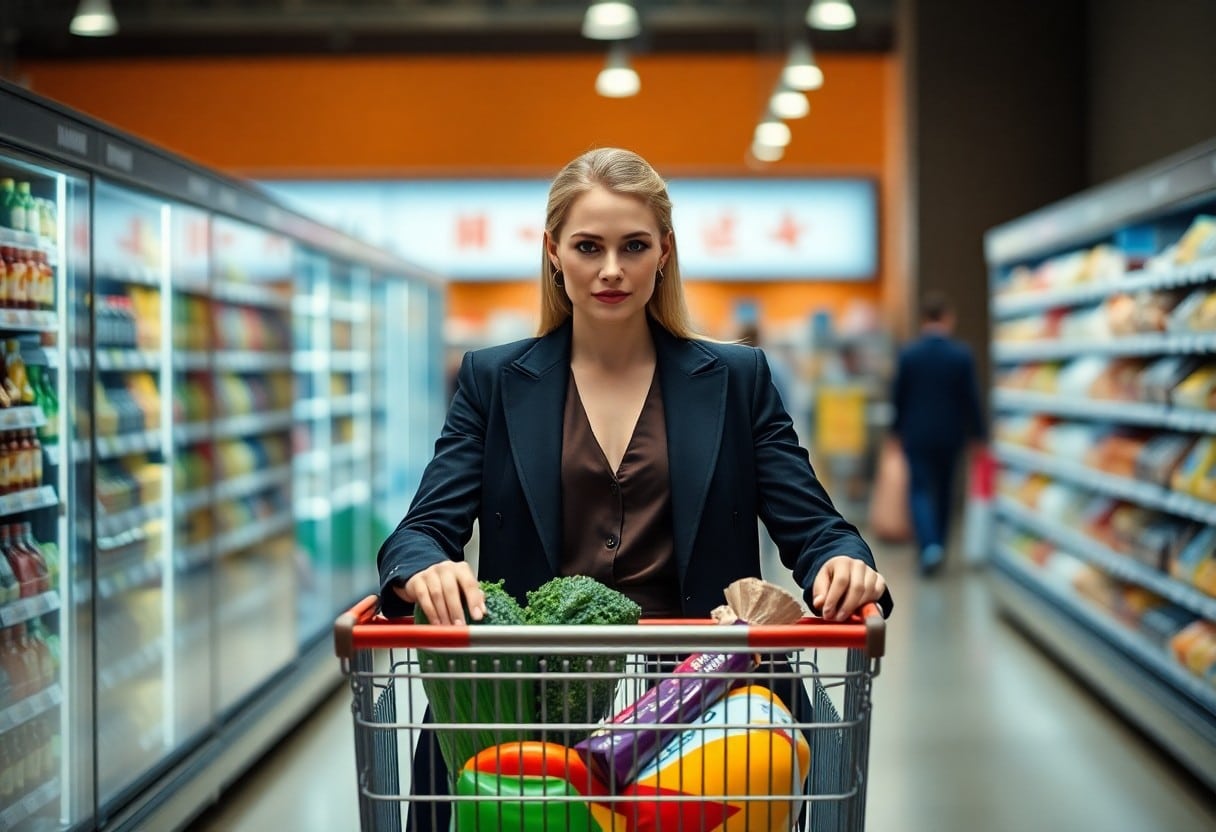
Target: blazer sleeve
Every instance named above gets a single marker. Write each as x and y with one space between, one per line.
793 505
440 519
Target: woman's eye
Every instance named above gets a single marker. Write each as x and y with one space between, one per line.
585 246
635 246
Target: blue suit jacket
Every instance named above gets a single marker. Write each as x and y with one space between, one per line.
732 453
936 395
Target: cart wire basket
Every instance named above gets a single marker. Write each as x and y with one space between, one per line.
665 726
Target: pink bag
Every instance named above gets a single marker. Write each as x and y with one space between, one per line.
890 520
977 517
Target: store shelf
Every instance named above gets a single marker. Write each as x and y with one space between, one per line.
320 408
243 486
121 521
1144 493
21 418
189 501
1011 306
247 361
247 424
117 580
27 240
28 500
1049 349
29 320
1119 566
1149 689
1126 413
23 609
112 447
22 712
349 362
44 356
186 361
250 294
321 459
345 310
132 666
128 273
233 541
30 805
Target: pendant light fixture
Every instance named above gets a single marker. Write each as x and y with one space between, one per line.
801 71
94 19
831 15
611 21
618 79
789 104
772 132
767 152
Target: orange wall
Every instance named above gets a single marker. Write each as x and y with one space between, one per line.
452 116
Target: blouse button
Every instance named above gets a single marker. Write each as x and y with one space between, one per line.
615 487
611 541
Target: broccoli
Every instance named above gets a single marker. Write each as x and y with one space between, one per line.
479 696
578 600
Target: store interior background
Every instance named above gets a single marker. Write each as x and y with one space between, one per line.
964 114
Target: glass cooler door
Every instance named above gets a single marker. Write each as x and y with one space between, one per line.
46 657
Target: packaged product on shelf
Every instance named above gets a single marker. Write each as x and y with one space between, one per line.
1198 241
1161 456
1200 548
1096 586
1187 477
1194 647
1159 378
1160 624
1197 390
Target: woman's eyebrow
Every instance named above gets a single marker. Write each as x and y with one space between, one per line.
593 236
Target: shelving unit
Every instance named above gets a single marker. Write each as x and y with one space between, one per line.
188 631
1061 312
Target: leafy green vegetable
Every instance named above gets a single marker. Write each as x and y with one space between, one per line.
575 600
477 696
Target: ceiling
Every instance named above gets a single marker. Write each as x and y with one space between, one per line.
39 28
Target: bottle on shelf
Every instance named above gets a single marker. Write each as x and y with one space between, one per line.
44 389
12 209
29 210
22 564
10 586
23 535
15 370
5 258
31 436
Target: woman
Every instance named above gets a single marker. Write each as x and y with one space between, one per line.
618 444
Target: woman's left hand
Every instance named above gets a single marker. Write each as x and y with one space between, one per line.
843 584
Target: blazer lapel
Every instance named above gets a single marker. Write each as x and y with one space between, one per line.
534 398
694 400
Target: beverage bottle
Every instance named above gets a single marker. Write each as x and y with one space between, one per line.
16 371
50 554
28 208
32 761
10 586
32 277
50 227
46 664
23 536
6 468
12 211
26 578
18 279
18 764
49 403
8 446
25 465
31 436
8 793
13 665
4 258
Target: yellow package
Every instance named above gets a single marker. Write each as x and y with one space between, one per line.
1197 463
1202 229
1194 390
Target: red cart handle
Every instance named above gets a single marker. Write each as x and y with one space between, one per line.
363 628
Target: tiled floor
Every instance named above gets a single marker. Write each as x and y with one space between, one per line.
974 729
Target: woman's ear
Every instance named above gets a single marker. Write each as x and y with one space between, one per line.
551 250
665 245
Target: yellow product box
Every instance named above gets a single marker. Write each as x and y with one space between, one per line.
1195 390
1186 478
1195 240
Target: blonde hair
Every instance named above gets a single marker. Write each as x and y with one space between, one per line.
622 172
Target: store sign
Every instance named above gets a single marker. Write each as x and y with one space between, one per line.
762 229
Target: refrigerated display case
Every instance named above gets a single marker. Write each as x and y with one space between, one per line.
187 473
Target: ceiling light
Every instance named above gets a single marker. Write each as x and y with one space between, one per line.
617 79
831 15
789 104
801 72
772 133
611 21
767 152
94 18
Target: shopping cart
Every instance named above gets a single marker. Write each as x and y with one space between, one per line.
390 662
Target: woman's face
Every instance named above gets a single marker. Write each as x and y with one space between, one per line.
609 250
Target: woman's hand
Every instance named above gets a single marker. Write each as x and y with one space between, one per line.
438 590
843 584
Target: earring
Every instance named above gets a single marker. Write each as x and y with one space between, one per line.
658 278
558 278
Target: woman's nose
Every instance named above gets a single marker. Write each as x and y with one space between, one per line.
611 269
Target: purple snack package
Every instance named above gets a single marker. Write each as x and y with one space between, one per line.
618 751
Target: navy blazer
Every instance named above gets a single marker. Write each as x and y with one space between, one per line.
732 452
936 395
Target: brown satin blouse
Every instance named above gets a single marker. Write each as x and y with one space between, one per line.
617 527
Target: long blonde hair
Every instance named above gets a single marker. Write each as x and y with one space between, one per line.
622 172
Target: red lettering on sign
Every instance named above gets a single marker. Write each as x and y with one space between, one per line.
472 232
788 231
720 235
530 233
133 243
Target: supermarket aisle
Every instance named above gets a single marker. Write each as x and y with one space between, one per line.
973 729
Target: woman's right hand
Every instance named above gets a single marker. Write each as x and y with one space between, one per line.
439 589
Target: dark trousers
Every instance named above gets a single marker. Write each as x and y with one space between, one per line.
430 772
930 492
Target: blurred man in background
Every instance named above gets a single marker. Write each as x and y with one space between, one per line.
937 413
